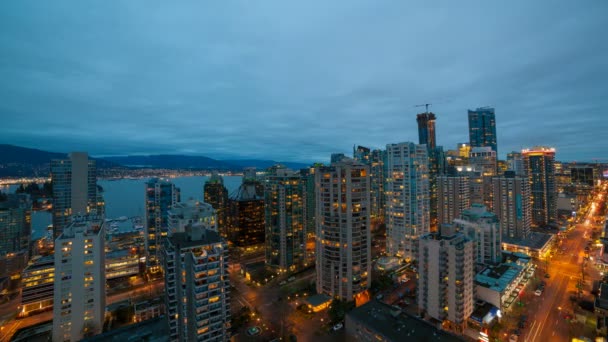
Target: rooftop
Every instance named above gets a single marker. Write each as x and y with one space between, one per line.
43 262
377 317
318 299
535 240
152 330
194 237
497 278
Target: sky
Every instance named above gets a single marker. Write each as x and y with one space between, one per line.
299 80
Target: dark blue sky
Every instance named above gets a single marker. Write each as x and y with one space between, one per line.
297 81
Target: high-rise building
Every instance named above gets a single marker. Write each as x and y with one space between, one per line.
482 128
452 197
464 150
197 286
540 170
216 194
375 160
74 182
483 159
80 283
15 233
246 214
285 233
407 197
307 189
512 205
336 157
583 175
189 213
426 129
343 239
37 282
516 163
482 227
161 195
446 266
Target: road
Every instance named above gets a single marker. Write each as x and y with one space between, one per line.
547 320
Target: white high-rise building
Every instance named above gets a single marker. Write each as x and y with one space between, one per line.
196 284
191 212
452 197
483 228
446 266
79 301
343 238
74 189
407 197
512 205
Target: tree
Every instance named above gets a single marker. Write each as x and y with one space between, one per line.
338 309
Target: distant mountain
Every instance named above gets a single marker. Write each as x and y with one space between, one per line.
16 161
263 164
167 161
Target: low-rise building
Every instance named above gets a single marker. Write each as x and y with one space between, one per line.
376 321
148 309
122 263
500 285
537 245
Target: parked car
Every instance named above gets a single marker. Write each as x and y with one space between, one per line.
538 292
338 326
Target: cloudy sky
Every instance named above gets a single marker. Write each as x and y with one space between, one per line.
298 80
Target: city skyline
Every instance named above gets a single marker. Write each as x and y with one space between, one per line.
196 80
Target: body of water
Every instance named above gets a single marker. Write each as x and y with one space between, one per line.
125 197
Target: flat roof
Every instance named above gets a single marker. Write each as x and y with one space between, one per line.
535 240
318 299
497 278
377 316
152 330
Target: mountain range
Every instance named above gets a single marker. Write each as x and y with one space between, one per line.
16 161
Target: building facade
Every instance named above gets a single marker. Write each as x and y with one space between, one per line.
285 247
482 128
74 182
452 197
426 129
446 266
15 233
515 163
246 226
539 165
160 196
191 212
483 228
407 197
512 205
307 189
79 301
197 288
216 194
343 239
37 286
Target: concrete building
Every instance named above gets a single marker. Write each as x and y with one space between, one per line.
515 163
196 285
512 204
122 263
80 282
452 197
407 197
191 212
500 285
376 321
74 182
482 128
375 160
343 239
483 159
483 228
216 194
160 196
446 266
37 282
307 189
285 235
539 164
15 233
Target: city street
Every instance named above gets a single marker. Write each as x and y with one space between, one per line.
550 315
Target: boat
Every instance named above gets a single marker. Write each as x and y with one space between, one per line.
122 218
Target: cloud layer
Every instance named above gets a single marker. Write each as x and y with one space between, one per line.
296 82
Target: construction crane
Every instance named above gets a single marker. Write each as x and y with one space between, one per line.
425 105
